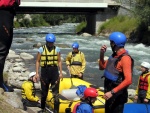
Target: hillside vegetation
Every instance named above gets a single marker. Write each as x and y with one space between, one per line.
122 23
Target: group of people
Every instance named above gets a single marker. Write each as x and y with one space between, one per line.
49 59
117 74
117 69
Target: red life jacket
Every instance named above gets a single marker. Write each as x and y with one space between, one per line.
143 83
9 3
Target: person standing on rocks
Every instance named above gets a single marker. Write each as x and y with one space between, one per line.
28 93
143 88
75 62
117 73
7 13
49 58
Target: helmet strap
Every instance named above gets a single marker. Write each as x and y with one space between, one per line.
115 48
31 79
49 47
88 100
146 71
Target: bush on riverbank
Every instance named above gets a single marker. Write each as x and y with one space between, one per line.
121 23
81 27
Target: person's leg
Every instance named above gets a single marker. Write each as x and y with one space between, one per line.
108 104
24 104
118 104
118 109
55 89
33 104
6 36
44 86
76 76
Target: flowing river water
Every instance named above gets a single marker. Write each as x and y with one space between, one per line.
65 34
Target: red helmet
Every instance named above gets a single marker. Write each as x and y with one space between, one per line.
90 92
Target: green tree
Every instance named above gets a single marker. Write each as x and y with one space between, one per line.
142 10
37 20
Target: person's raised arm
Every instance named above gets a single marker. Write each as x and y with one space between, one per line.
102 63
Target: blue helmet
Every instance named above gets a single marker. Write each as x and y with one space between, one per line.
118 38
50 38
80 90
75 45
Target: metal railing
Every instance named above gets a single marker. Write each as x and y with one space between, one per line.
75 1
129 3
70 1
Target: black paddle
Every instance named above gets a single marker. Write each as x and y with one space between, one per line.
72 86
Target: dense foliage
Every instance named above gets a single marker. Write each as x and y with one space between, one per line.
36 20
142 10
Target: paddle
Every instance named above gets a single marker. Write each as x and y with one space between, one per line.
72 86
48 110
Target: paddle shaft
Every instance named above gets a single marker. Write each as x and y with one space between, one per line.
70 77
100 101
49 110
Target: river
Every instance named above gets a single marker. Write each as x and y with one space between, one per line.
65 34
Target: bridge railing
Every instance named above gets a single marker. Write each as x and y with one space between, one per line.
72 1
127 3
76 1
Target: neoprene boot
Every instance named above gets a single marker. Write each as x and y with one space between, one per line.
6 88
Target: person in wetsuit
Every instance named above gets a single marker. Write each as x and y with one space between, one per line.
117 73
49 59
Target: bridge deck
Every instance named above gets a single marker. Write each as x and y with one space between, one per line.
65 6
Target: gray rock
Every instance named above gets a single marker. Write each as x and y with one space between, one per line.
26 56
12 99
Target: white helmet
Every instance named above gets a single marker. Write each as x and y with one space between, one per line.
32 74
146 65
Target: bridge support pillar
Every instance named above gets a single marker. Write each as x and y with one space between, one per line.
91 23
95 20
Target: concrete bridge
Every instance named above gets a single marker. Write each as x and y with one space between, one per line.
96 11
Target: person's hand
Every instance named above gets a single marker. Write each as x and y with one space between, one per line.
61 76
39 101
68 67
136 97
146 100
107 95
37 77
103 49
80 75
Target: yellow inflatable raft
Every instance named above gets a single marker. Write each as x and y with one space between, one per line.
68 98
